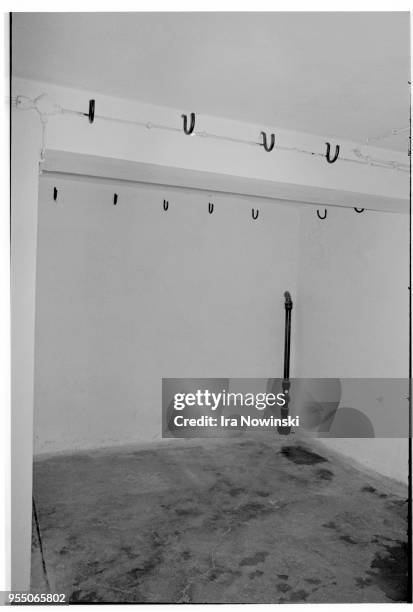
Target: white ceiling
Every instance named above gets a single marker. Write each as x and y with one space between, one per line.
333 74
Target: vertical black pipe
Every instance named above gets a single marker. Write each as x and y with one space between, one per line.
287 333
288 305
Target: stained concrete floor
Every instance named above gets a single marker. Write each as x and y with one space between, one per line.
234 521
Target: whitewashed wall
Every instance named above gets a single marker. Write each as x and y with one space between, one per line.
352 312
129 294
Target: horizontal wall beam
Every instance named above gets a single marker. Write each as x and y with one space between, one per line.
88 166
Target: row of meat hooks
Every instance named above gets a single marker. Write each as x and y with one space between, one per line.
254 212
189 129
268 146
267 141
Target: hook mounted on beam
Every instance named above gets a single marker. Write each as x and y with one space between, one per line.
267 147
358 210
91 113
331 160
188 130
210 208
325 214
255 214
165 204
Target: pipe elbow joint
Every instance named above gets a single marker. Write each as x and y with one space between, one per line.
288 301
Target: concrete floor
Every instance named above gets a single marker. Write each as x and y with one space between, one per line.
234 521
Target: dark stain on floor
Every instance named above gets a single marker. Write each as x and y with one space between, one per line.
301 456
283 587
215 523
255 574
389 570
324 474
300 595
312 580
373 491
259 557
348 539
